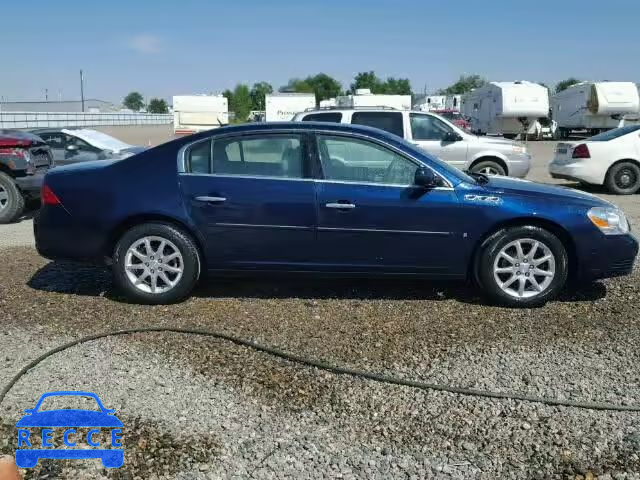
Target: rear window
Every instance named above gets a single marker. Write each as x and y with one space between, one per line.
335 117
615 133
388 121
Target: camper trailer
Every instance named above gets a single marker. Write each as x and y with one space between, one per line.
432 102
453 102
196 113
364 98
506 108
281 107
594 106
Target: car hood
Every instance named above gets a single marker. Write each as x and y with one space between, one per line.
15 138
518 186
69 418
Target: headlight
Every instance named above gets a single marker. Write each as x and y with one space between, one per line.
518 149
610 221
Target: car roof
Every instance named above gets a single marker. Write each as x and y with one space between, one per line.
292 126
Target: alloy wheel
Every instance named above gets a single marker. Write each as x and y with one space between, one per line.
4 197
524 268
154 264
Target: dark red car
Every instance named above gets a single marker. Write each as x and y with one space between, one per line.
455 117
24 159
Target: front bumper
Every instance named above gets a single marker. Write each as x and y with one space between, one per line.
519 165
31 183
614 256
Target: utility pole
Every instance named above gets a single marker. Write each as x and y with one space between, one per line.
82 90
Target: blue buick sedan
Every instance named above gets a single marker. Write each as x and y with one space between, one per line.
323 198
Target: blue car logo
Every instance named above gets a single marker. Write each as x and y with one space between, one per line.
69 420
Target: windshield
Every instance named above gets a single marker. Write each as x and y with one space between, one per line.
613 134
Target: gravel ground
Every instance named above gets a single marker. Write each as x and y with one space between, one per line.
196 408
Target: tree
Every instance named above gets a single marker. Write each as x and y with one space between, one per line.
465 84
157 105
397 86
258 92
297 85
367 80
241 102
564 84
134 101
323 86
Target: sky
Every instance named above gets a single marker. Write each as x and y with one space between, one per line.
165 48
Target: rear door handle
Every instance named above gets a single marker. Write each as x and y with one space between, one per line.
341 206
211 199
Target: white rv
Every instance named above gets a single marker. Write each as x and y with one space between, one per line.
281 107
432 102
364 98
196 113
453 102
594 106
506 108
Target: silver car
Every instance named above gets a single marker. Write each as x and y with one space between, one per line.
436 135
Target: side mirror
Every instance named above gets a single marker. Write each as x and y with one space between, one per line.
451 137
72 148
425 178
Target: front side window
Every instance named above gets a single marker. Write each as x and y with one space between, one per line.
427 127
356 160
54 140
388 121
335 117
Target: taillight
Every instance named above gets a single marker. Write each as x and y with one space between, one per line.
48 197
581 151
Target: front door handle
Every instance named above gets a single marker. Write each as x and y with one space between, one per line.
211 199
341 206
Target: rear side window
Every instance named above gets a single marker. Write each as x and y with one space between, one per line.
198 158
335 117
259 156
388 121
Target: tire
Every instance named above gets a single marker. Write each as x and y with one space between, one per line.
183 269
504 241
623 178
11 200
491 167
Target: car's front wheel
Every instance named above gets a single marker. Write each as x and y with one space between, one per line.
522 266
156 263
488 167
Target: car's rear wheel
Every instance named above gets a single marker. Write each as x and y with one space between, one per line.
11 200
156 263
623 178
488 167
522 266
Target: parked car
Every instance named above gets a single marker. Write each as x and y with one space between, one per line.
455 117
438 136
82 144
611 158
321 198
24 159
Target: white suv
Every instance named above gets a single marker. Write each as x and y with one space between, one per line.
436 135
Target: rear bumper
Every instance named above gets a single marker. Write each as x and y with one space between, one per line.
57 237
612 257
576 172
31 183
